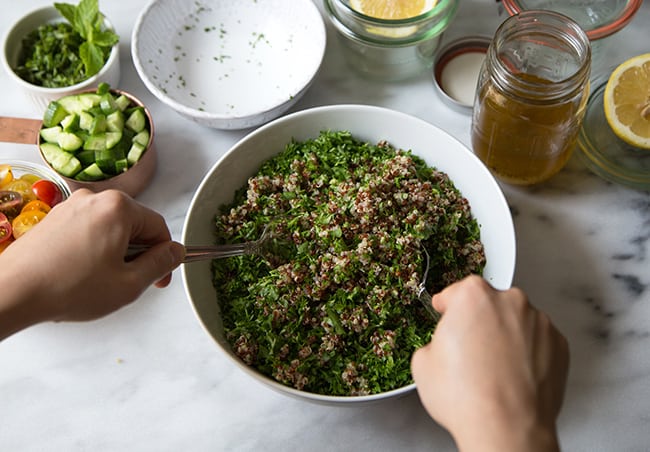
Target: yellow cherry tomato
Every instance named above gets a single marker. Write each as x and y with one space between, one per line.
6 175
25 221
30 178
36 204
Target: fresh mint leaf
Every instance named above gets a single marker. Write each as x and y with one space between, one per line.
92 57
86 16
104 38
67 11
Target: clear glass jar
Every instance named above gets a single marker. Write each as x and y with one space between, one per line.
598 18
386 49
531 96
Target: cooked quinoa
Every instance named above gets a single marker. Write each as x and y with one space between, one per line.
342 316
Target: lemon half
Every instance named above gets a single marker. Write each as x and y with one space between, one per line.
392 9
627 101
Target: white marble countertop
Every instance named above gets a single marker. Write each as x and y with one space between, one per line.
148 378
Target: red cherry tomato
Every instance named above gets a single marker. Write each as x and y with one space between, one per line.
5 244
5 228
48 192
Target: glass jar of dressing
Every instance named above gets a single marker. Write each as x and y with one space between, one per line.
531 96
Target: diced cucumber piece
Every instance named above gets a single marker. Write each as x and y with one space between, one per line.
107 104
70 168
51 134
135 153
103 88
51 151
70 123
95 142
112 138
68 141
85 120
136 120
95 111
98 125
90 173
101 141
63 162
121 165
105 159
54 114
86 157
122 102
115 121
76 103
142 138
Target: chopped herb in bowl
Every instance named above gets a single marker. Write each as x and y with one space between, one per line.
343 317
61 54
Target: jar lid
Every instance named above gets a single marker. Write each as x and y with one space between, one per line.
606 154
456 70
599 19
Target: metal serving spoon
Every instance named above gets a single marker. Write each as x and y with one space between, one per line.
423 294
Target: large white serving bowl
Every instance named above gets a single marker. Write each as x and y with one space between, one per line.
229 64
367 123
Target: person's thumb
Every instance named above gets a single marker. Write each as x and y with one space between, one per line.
156 264
439 302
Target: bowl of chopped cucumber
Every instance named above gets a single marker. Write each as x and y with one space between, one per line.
41 52
357 192
99 139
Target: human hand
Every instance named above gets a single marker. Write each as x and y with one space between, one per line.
495 370
71 266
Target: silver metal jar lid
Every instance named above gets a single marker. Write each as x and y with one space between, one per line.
456 69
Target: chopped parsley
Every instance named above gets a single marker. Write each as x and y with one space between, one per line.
342 317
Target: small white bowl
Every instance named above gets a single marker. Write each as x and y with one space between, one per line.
228 64
371 124
39 95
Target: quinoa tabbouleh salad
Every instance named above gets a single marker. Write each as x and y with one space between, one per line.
342 316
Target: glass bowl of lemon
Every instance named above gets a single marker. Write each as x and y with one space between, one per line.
390 40
615 134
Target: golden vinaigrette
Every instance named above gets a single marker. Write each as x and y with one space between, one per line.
524 143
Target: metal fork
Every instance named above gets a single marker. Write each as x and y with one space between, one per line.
194 253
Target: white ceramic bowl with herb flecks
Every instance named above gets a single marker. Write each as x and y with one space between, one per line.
368 124
41 96
225 64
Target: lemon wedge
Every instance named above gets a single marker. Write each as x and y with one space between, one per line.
392 9
627 101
